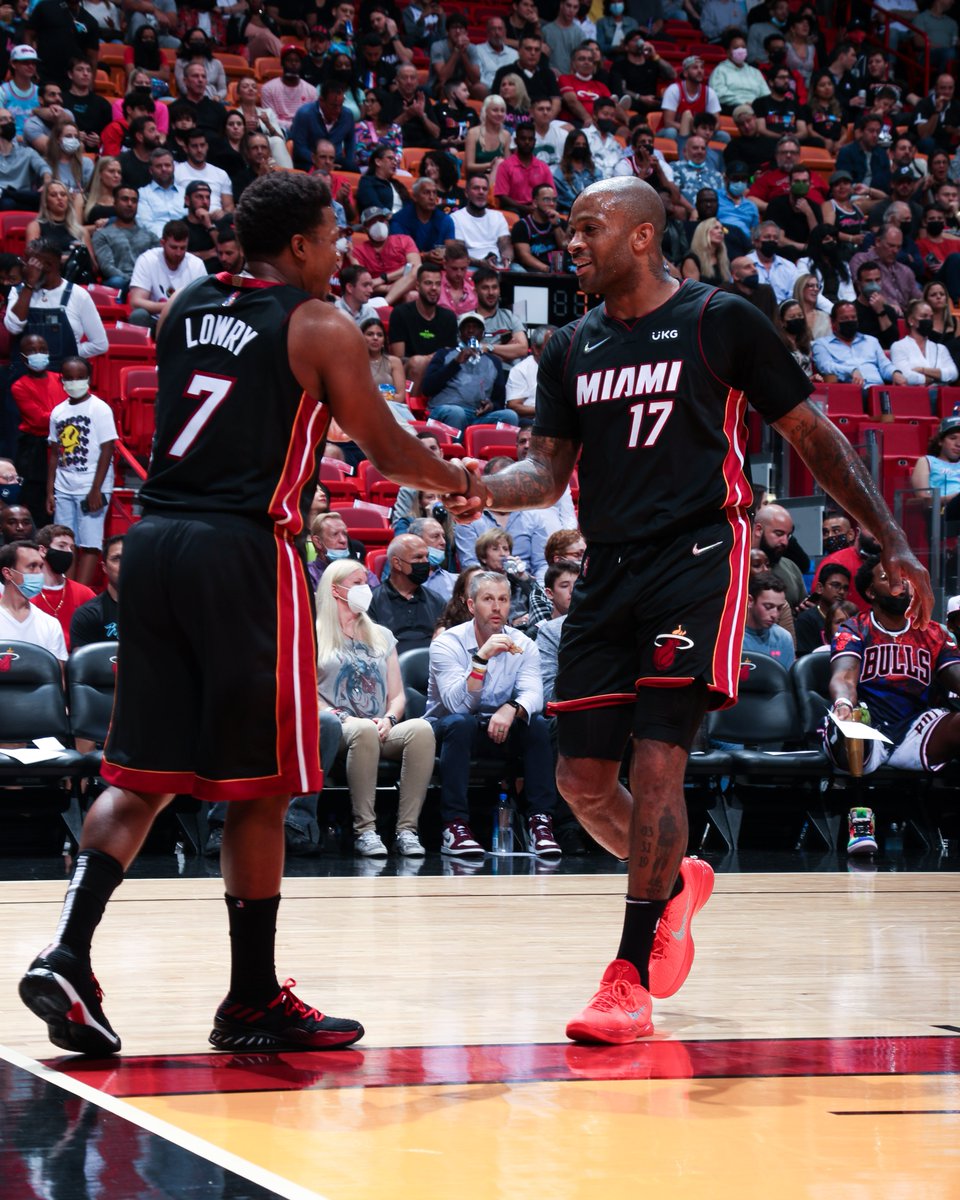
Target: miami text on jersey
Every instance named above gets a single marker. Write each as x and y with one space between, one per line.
230 333
615 384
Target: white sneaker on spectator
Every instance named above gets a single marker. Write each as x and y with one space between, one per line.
369 845
407 844
459 842
540 839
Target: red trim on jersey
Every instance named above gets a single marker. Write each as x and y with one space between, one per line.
739 491
149 783
706 361
298 705
309 429
729 644
662 681
610 700
248 281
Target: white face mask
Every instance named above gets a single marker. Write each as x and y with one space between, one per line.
379 231
76 389
70 144
359 597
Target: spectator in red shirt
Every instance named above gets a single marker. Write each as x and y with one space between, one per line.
60 597
520 173
36 393
775 181
391 258
579 91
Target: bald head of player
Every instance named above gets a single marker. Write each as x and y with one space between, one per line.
288 232
618 225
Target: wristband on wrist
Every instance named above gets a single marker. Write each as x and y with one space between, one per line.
475 674
844 701
392 719
481 662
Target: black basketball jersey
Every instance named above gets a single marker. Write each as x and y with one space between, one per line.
235 433
659 405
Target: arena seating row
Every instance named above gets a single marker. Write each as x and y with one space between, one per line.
768 742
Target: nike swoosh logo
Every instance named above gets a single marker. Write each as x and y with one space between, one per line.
587 348
698 550
681 933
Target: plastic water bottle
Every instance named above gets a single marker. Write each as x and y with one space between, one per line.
502 826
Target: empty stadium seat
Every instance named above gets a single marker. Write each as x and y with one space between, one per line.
486 441
901 401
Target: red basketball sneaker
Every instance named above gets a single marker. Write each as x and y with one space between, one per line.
672 955
619 1012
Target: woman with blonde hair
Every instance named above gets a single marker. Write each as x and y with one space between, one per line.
806 292
489 142
358 675
517 99
262 120
57 222
708 245
98 207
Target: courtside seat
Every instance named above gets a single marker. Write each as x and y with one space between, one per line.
32 705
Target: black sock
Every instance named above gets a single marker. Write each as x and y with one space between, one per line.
677 886
96 876
639 927
253 931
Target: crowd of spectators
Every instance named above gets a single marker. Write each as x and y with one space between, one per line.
802 166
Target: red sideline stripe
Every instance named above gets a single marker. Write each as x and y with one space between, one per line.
414 1066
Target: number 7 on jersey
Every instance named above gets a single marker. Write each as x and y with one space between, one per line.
213 389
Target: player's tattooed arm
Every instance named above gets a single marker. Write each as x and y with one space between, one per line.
539 480
840 471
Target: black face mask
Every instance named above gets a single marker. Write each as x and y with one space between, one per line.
847 330
9 493
59 561
834 543
925 326
795 325
419 572
607 126
935 228
896 606
8 130
768 247
750 281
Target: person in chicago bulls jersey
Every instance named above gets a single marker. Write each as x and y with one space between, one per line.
650 390
902 674
216 684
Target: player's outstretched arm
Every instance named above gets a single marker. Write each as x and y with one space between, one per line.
537 482
844 679
839 470
328 355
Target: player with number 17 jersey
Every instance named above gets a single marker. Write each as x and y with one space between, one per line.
659 407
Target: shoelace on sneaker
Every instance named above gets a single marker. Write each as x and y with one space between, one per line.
293 1006
613 995
461 831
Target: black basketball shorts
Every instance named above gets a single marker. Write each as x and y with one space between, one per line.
216 679
644 615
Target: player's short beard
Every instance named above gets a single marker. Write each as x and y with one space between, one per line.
895 606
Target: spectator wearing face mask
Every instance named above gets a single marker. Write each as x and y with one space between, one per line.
36 394
921 359
875 316
849 356
746 283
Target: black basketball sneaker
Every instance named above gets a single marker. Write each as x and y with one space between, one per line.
63 991
286 1023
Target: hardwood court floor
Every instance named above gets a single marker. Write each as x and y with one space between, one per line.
813 1053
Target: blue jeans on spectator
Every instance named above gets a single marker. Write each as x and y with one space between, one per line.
460 418
462 736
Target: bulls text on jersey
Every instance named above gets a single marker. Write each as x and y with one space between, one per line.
890 658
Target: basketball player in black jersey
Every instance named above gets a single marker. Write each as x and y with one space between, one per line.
651 389
216 686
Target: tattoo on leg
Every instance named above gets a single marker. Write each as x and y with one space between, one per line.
665 861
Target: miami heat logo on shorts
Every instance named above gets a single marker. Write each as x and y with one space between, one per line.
667 645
